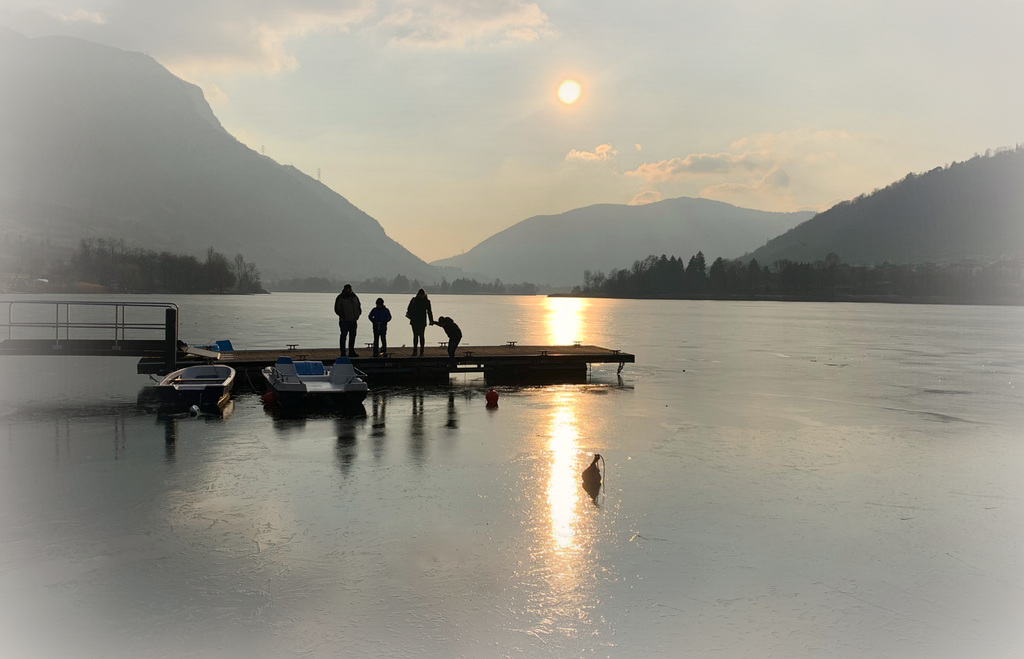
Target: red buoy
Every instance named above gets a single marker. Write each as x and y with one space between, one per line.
492 398
270 397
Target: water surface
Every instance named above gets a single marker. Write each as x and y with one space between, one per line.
783 480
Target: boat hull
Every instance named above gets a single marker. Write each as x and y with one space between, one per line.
313 399
207 387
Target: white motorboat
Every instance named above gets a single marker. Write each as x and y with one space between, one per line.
298 382
207 386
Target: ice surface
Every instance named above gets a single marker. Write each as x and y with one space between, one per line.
782 480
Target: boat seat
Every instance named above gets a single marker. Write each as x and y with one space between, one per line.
343 372
285 366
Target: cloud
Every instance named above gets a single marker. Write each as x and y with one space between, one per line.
215 95
192 37
697 164
775 179
785 171
770 192
78 16
602 152
645 197
259 43
811 145
198 37
460 23
673 168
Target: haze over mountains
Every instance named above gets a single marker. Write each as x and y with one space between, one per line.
968 210
100 142
556 249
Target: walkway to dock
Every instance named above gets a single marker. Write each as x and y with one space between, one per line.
89 328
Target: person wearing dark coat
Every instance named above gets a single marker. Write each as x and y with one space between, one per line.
346 305
418 312
453 332
380 316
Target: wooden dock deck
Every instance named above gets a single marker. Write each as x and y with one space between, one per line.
505 364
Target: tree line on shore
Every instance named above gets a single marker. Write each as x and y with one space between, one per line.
109 263
964 282
402 284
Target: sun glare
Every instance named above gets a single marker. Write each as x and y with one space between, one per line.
566 320
569 91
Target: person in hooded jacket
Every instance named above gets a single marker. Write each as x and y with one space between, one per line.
380 316
346 305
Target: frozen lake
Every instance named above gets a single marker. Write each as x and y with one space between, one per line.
783 480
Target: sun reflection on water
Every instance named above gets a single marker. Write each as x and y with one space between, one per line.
566 321
563 485
564 544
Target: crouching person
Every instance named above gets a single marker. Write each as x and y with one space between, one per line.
454 335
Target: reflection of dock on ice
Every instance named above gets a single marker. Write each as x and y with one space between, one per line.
150 331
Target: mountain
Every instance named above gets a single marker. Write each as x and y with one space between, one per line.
968 210
100 142
556 249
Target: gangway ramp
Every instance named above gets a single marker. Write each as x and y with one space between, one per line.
90 328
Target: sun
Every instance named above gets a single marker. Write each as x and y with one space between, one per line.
569 91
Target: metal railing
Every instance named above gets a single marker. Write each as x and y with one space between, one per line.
85 319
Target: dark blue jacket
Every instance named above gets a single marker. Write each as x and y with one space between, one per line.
380 317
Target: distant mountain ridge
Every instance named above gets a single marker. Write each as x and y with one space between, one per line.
100 142
968 210
556 249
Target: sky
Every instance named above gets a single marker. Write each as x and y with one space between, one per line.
441 119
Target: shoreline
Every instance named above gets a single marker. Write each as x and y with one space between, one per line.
859 299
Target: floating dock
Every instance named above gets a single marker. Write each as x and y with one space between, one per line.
150 331
507 364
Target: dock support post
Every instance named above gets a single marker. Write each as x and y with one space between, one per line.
170 339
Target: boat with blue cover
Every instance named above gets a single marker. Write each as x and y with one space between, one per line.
299 382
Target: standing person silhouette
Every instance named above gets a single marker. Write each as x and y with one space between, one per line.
380 316
418 313
346 305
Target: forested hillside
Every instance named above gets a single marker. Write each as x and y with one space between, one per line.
967 210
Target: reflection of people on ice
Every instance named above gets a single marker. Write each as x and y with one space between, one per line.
380 316
453 332
417 313
346 305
